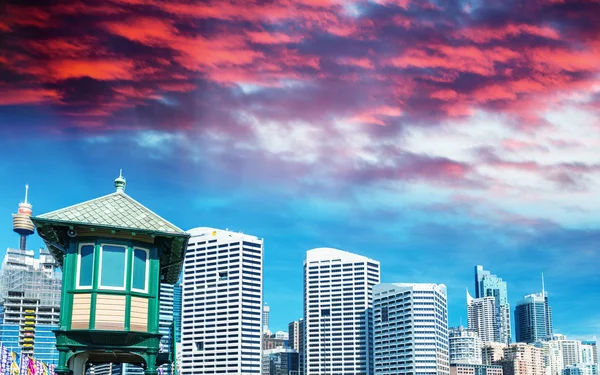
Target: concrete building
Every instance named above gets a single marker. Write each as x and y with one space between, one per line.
488 285
492 352
522 359
222 303
533 318
281 361
465 346
571 351
266 311
594 346
271 341
30 290
581 369
411 329
296 340
481 313
588 352
338 318
474 369
552 357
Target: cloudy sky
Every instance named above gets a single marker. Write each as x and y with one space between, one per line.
431 136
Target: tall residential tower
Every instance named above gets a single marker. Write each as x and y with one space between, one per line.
338 302
411 329
533 318
222 303
488 285
481 314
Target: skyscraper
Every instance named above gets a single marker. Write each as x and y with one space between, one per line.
411 329
338 295
266 310
481 314
533 318
30 289
594 346
465 346
222 303
296 341
177 311
488 285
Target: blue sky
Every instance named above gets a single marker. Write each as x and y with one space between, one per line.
415 238
429 135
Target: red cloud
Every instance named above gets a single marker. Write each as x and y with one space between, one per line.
103 70
487 34
263 37
19 96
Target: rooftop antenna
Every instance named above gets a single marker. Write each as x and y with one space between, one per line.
26 192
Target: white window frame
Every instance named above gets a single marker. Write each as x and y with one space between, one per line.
93 245
100 286
133 249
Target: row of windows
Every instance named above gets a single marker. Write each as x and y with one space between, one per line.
112 265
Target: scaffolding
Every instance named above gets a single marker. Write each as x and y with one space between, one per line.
30 291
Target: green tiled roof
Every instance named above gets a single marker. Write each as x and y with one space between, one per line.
117 210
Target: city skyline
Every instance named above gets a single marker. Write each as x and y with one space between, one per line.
430 135
455 313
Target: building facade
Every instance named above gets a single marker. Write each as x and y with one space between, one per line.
474 369
594 346
411 329
522 359
488 285
481 313
30 289
281 361
296 341
552 357
338 301
492 352
222 324
465 346
533 318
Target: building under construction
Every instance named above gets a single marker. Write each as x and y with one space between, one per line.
30 290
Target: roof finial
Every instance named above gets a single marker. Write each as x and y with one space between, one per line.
26 191
120 182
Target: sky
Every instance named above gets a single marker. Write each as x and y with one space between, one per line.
431 136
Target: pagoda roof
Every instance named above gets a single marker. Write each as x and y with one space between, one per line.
116 212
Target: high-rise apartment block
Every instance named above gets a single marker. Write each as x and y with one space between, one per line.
411 329
338 318
492 352
488 285
222 303
522 359
465 346
594 346
30 289
296 341
482 318
552 356
533 318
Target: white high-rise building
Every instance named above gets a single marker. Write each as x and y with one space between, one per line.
481 314
266 310
222 303
411 329
465 346
552 356
338 301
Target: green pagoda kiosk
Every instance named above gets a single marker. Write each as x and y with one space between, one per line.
114 254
